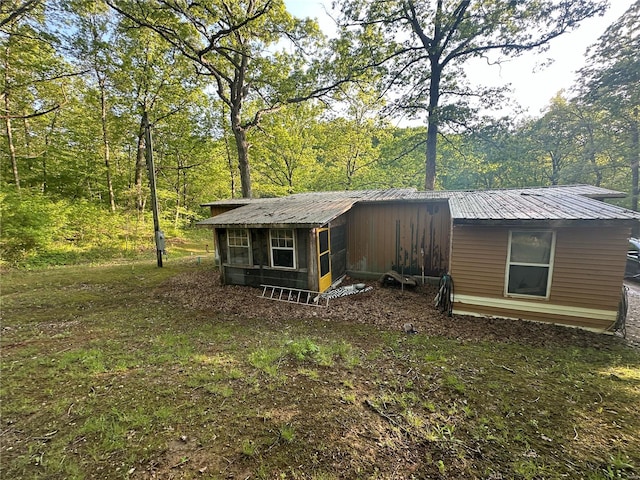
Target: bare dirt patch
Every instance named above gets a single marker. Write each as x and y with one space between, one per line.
388 308
633 313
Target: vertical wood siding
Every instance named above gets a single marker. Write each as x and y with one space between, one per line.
392 235
218 209
587 274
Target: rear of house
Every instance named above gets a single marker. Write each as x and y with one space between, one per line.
550 258
547 254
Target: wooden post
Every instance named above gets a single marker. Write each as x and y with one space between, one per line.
158 235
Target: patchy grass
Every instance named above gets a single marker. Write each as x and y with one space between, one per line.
105 377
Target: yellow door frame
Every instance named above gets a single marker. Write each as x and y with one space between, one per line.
324 270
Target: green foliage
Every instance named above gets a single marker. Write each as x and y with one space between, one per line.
303 349
56 150
28 224
37 231
287 433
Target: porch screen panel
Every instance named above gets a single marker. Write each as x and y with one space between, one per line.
323 239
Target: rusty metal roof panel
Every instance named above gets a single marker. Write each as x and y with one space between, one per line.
532 205
302 210
564 203
582 190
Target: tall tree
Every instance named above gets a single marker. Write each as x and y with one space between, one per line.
92 39
554 138
33 77
423 45
611 81
153 79
285 150
351 143
238 44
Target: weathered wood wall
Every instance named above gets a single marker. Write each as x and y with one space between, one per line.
393 235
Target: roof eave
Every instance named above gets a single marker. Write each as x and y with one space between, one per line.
260 225
582 222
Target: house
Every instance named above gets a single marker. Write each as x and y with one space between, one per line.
551 254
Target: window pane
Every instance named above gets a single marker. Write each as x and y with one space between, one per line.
525 280
282 238
531 247
282 258
238 238
239 255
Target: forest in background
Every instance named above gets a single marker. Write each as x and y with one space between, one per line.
298 111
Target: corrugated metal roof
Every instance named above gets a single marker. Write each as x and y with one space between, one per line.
582 190
565 203
233 202
303 209
533 205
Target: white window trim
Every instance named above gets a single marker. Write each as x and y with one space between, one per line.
248 247
293 249
550 265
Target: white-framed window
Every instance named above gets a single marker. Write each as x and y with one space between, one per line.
530 263
283 248
239 246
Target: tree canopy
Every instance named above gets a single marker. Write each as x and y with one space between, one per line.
421 48
246 99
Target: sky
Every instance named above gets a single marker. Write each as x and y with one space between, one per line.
533 84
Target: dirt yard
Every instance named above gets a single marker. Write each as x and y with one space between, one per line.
633 314
390 308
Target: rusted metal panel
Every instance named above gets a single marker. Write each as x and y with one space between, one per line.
304 210
407 237
501 206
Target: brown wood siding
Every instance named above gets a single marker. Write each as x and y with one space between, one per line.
587 272
391 235
478 259
589 267
218 209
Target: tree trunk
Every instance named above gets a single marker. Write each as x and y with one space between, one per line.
591 155
140 167
231 168
634 160
432 127
228 152
105 142
240 135
45 154
7 122
12 148
176 218
555 168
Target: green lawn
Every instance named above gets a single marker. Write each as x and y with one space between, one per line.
105 377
